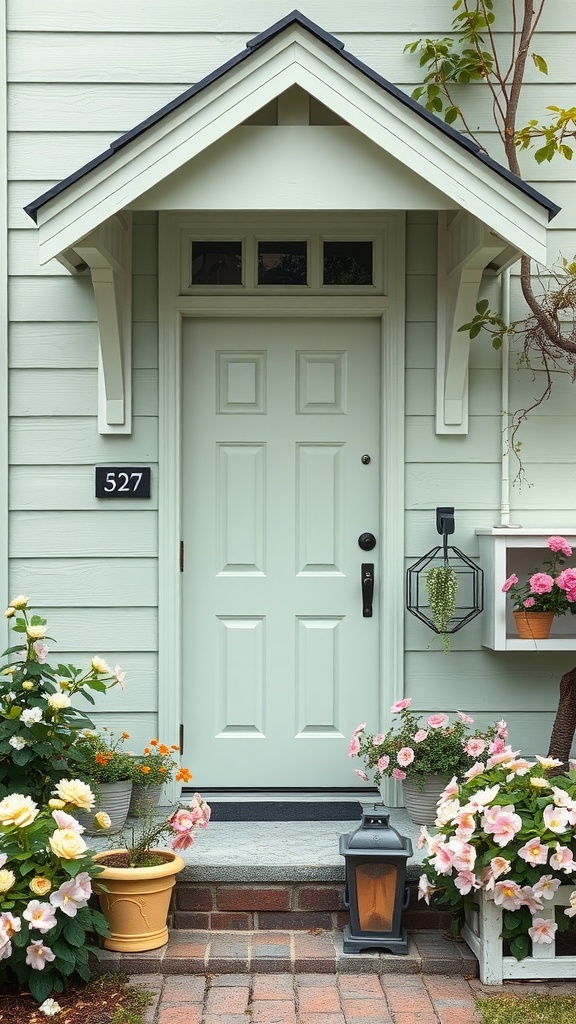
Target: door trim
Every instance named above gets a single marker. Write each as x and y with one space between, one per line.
173 308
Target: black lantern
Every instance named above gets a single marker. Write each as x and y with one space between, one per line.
375 856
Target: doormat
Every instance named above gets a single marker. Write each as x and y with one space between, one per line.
286 810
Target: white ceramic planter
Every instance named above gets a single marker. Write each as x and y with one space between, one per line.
483 933
421 803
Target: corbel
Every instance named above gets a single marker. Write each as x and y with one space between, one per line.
107 252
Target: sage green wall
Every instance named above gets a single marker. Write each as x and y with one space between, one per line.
464 471
89 565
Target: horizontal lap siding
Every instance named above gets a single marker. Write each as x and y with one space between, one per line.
464 471
89 565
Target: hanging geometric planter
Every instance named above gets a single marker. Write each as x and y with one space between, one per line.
445 588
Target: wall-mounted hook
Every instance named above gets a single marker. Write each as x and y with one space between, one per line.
445 521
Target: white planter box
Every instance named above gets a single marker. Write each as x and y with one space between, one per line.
483 933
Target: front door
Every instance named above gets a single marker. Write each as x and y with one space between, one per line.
281 475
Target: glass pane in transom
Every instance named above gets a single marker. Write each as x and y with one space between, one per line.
347 263
283 263
215 262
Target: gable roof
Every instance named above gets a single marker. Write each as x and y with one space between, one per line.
51 205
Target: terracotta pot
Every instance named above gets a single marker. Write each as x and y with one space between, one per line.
421 803
137 901
533 625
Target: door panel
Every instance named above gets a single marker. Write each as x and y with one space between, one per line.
279 664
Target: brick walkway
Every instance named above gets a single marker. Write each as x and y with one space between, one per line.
322 998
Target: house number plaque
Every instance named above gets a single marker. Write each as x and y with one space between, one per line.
122 481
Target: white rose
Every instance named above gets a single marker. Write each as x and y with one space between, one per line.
36 632
18 742
100 666
73 791
17 809
9 612
67 844
7 879
30 716
57 701
19 602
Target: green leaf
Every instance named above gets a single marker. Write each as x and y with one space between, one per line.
41 984
450 114
482 307
520 946
63 951
475 330
540 63
511 921
73 933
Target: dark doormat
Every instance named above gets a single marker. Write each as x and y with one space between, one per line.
285 810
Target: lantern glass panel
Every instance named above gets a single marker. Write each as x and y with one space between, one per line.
376 891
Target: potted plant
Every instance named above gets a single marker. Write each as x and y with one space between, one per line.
504 857
138 878
441 586
151 770
109 770
423 755
39 723
46 876
549 591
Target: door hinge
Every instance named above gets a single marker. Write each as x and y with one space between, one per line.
181 556
181 738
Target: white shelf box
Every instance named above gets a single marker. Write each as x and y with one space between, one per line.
502 552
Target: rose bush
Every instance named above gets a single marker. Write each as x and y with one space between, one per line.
508 828
180 826
415 750
46 871
38 722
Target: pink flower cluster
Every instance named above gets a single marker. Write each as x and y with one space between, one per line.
546 585
186 819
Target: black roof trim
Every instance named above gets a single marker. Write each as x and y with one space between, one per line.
294 18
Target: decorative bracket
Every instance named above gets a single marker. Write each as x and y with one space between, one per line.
466 247
108 253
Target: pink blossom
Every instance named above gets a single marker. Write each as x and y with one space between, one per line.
559 544
70 897
508 895
510 582
444 859
529 602
447 811
562 859
541 583
397 773
405 756
420 736
435 721
465 718
120 676
354 746
475 746
40 915
464 855
534 852
41 651
64 820
485 796
465 881
9 924
566 580
503 757
378 739
182 820
503 823
497 745
182 841
497 866
423 838
465 825
546 887
451 789
542 930
38 955
530 900
361 775
359 729
562 798
400 705
476 769
382 763
425 889
556 818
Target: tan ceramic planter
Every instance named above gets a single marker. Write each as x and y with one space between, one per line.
137 901
533 625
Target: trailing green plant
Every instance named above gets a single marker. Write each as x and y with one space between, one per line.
39 723
441 586
46 871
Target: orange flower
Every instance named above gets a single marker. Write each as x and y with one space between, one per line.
183 775
174 747
162 769
146 750
144 768
125 735
163 749
153 743
102 758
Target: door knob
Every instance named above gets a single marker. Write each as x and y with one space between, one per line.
367 589
366 541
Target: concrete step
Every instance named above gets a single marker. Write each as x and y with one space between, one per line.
291 952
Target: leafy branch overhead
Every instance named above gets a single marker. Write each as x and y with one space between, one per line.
480 52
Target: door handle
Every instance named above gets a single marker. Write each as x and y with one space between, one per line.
367 589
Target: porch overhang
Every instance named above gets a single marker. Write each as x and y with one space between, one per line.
83 221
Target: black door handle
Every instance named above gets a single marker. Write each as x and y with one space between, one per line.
367 589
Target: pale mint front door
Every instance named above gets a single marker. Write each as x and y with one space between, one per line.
281 475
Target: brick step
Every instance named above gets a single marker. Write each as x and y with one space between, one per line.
293 906
290 952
